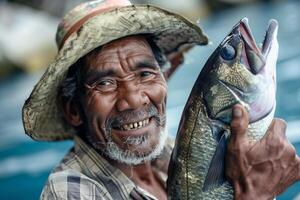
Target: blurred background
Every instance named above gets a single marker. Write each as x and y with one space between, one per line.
27 32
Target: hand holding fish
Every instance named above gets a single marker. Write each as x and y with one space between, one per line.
263 169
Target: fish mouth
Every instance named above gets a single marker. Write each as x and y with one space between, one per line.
255 57
271 34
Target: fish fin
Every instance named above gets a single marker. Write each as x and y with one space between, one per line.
216 172
217 129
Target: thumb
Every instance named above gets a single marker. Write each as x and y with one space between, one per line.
239 125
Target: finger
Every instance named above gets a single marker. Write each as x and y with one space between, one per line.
291 175
239 125
272 145
298 167
275 136
276 130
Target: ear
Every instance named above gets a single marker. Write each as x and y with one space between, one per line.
72 114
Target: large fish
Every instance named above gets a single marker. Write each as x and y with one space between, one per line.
238 72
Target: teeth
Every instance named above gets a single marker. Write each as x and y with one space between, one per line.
135 125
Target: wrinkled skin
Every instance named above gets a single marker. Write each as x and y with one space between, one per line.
140 85
263 169
122 82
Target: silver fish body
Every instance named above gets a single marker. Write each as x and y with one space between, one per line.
237 72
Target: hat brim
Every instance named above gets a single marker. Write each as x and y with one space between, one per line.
42 116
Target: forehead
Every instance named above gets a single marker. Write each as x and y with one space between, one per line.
127 44
122 52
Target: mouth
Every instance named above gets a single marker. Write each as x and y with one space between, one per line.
130 126
254 55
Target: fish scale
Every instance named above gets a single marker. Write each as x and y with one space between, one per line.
224 99
197 165
202 146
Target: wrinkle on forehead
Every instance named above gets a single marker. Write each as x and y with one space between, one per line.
122 53
122 43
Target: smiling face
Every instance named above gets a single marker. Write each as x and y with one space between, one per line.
124 101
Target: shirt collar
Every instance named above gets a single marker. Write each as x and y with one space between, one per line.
100 169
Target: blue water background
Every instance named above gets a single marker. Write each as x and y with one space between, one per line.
25 164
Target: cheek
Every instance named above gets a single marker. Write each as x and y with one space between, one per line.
158 94
98 106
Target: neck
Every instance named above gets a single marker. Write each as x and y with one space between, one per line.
137 173
143 176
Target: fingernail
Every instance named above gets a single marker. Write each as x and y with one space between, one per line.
237 112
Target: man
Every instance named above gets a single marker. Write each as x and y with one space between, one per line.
106 90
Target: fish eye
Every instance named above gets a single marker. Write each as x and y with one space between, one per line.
228 52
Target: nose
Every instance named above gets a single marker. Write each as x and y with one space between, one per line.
131 96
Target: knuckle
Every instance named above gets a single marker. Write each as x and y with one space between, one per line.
280 125
234 151
238 125
230 148
277 132
279 120
291 149
279 143
275 144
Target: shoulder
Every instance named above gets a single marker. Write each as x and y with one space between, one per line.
70 184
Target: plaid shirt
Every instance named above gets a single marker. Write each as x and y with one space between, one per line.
85 174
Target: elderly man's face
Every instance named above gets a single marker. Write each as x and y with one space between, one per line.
125 101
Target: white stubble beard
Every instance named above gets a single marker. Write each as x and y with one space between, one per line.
113 151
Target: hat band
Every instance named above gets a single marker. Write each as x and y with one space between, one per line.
79 23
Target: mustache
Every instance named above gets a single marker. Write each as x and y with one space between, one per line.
129 116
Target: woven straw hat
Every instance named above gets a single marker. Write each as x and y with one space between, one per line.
85 28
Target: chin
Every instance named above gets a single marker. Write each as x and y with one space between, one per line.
113 151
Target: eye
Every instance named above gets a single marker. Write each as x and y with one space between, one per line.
228 52
146 74
106 85
105 82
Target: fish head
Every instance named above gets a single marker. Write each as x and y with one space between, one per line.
240 71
